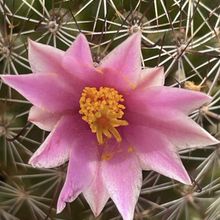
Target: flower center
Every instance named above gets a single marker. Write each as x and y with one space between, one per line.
102 110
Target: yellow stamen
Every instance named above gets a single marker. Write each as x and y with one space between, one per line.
103 111
115 134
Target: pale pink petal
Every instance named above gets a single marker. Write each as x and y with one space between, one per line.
96 194
166 97
182 131
44 58
122 178
56 148
156 153
79 71
45 91
126 58
81 171
47 59
78 61
44 120
151 77
185 133
164 109
80 51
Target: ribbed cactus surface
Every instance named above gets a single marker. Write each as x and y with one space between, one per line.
183 36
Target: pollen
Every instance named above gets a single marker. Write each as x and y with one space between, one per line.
103 110
130 149
107 156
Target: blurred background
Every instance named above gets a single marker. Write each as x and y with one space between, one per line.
181 35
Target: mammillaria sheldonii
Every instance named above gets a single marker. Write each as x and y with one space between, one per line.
109 121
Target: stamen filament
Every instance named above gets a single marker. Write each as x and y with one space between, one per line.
116 134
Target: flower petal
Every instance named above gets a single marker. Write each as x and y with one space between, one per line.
159 108
126 58
167 97
122 178
45 91
78 62
80 51
151 77
156 153
182 131
56 148
44 120
47 59
81 171
96 194
44 58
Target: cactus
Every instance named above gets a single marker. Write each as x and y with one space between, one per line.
182 36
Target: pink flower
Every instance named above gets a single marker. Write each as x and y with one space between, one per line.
111 121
